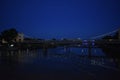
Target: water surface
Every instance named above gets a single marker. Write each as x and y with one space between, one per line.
58 64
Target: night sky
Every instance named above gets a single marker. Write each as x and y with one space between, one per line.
49 19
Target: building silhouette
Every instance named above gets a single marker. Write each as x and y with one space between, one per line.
19 38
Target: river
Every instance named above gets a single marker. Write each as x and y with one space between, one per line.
58 64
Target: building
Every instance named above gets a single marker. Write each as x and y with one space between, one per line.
19 38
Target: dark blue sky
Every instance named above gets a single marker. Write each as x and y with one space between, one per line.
60 18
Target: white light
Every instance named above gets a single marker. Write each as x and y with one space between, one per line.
11 45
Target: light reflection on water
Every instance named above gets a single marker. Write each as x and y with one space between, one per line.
58 59
75 54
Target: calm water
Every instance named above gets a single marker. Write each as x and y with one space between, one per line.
58 64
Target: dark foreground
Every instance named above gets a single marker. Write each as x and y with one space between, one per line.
36 65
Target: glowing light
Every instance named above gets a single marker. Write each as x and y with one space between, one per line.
11 45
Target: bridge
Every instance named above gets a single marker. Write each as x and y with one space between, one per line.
107 34
94 42
96 39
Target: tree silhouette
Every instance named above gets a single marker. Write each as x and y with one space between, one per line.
0 38
116 35
9 35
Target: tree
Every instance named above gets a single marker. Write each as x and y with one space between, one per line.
0 39
116 35
9 35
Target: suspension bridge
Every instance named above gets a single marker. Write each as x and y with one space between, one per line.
91 38
76 42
